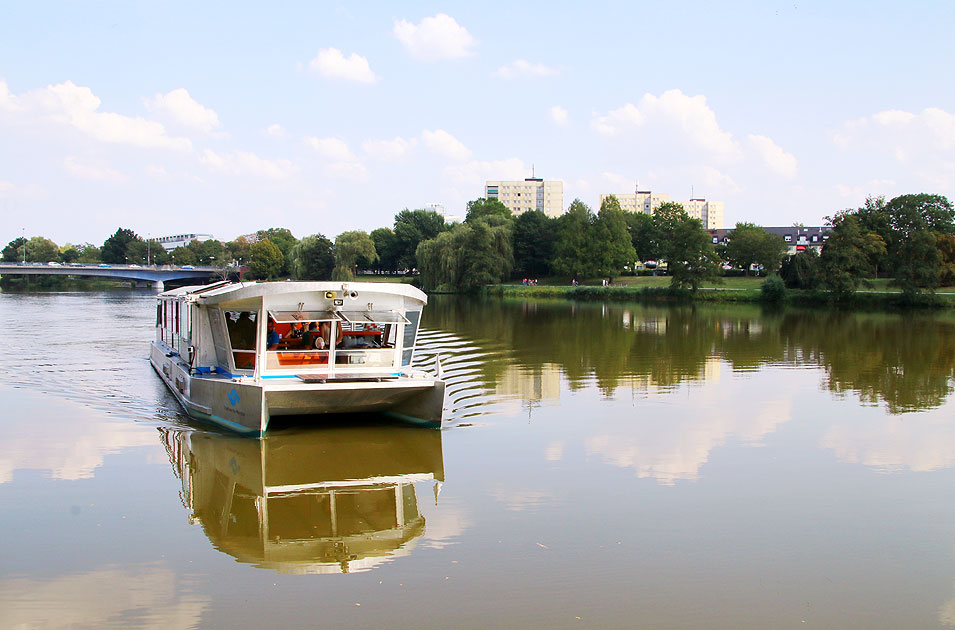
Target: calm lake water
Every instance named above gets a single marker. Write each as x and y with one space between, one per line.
603 466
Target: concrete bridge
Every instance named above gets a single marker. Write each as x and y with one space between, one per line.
154 275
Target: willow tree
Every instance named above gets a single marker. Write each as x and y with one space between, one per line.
349 247
312 258
467 257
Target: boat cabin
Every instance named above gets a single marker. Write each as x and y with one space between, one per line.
299 329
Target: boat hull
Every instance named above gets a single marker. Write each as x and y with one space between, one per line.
245 405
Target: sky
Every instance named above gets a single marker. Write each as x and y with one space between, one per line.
229 117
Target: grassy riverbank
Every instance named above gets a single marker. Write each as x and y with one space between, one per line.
650 288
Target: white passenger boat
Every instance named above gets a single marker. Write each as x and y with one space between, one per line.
239 354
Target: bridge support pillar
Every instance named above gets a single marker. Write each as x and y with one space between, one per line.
158 285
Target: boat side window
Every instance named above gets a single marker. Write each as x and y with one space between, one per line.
243 331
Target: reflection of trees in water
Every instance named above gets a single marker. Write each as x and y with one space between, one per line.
905 360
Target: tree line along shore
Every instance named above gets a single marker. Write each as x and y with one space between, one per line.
900 250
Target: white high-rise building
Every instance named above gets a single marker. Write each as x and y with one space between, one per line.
639 201
710 213
532 193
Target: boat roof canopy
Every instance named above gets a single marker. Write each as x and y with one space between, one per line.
373 317
285 317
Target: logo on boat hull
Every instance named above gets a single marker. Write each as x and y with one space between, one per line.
233 397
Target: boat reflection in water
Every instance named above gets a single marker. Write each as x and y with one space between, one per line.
323 500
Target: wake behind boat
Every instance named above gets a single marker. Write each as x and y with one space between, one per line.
238 354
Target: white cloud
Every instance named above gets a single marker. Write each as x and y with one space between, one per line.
773 155
874 187
331 148
95 173
246 163
445 145
168 599
8 101
924 442
559 116
554 451
518 500
182 108
437 37
332 64
521 69
621 182
922 143
276 131
689 116
618 120
76 106
718 181
339 161
388 150
472 175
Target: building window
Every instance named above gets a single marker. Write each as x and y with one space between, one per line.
789 238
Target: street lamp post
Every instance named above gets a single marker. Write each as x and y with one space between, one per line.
24 239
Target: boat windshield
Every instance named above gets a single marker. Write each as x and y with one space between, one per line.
243 332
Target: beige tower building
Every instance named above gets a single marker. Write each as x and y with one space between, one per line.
532 193
639 201
710 213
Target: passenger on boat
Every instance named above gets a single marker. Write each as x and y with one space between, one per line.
272 338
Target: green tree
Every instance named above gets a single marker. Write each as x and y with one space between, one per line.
467 257
284 240
919 263
183 256
15 251
209 252
69 253
156 254
312 258
386 246
686 247
349 247
846 259
483 208
946 249
910 213
136 252
572 257
411 228
874 218
643 235
533 244
749 245
89 253
267 260
41 249
610 242
801 270
239 250
114 248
